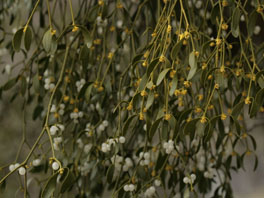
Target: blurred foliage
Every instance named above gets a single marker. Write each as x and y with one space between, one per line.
134 96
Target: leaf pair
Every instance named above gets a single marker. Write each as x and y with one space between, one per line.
18 37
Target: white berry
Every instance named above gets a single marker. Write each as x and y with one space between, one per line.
55 166
122 139
22 171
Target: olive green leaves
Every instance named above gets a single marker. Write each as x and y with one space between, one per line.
235 22
22 33
193 65
49 42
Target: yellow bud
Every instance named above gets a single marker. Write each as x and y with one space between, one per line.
210 107
210 77
203 119
72 101
119 5
224 26
75 28
66 98
200 97
154 34
100 2
169 29
223 116
130 106
212 44
143 93
224 3
184 42
216 86
144 64
53 32
112 28
218 41
100 89
222 69
247 100
162 59
141 116
167 116
146 54
110 55
259 9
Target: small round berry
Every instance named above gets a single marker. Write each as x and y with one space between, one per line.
122 139
55 166
36 162
131 187
12 167
126 188
186 180
53 130
22 171
157 182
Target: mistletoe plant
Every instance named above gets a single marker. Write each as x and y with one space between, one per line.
137 98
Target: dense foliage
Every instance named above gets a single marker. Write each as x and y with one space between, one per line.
136 98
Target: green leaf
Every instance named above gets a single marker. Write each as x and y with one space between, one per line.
17 40
193 65
142 173
27 38
88 93
173 85
50 186
127 123
9 84
252 22
37 112
256 163
162 75
151 66
186 193
200 127
235 22
49 42
23 85
36 83
143 83
110 173
68 180
190 126
87 37
175 50
237 109
257 103
150 99
160 161
153 128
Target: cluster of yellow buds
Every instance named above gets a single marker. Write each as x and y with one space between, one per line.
143 93
169 29
223 116
162 58
130 106
167 116
172 73
203 119
247 100
179 92
187 83
224 26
